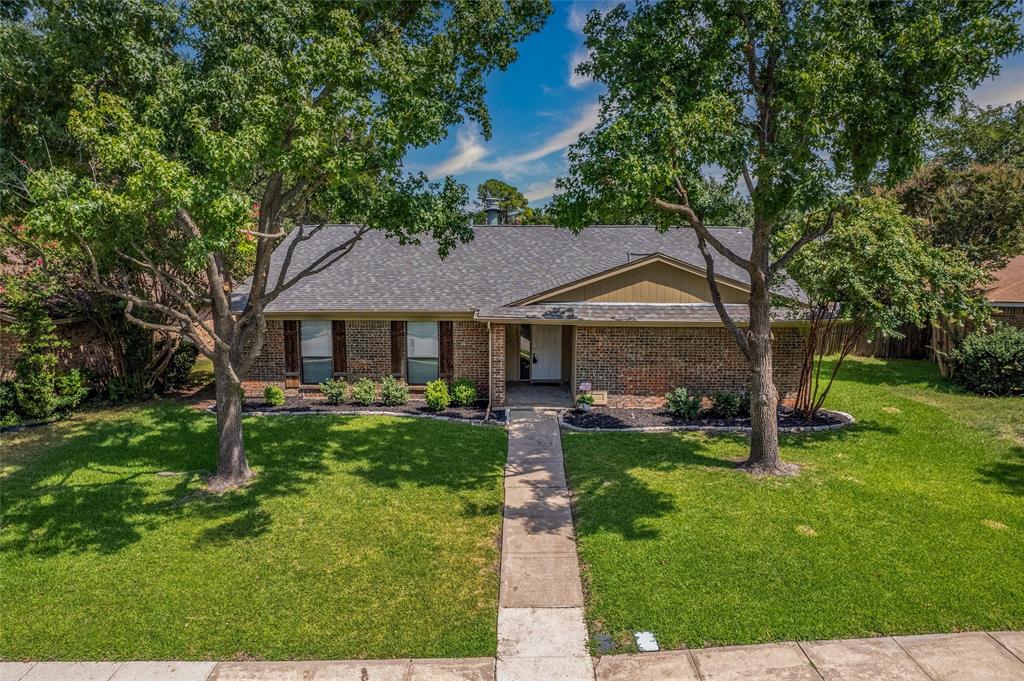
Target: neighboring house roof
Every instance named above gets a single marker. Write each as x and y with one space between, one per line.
501 265
1008 284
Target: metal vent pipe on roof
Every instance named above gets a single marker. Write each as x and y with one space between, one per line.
492 210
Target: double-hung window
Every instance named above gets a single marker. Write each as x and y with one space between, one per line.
317 355
421 352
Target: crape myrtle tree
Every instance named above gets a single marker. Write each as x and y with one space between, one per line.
264 115
872 274
803 101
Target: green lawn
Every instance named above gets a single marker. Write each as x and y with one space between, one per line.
911 521
360 538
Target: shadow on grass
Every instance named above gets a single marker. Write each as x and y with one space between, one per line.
104 483
617 500
1007 473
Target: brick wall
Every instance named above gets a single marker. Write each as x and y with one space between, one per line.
269 366
469 353
87 349
1011 316
368 344
649 361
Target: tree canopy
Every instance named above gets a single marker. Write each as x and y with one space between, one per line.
985 136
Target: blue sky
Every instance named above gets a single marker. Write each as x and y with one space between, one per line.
539 107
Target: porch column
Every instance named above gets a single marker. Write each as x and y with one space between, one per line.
497 368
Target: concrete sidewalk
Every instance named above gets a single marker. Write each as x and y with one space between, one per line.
976 656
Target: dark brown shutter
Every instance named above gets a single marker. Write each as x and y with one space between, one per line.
398 348
291 353
338 346
444 361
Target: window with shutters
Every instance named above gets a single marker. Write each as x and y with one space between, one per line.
317 357
422 352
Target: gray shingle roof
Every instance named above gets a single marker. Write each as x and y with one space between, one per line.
502 264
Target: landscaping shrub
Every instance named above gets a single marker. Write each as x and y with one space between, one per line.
364 392
991 363
393 391
464 392
729 405
8 404
273 396
437 395
585 398
682 404
336 392
40 390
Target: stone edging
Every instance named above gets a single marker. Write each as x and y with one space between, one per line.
845 420
327 412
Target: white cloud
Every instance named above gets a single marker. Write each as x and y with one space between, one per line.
577 17
468 152
578 57
539 190
1007 87
558 141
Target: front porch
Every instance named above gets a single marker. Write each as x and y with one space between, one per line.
523 395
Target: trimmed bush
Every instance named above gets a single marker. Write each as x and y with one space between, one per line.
364 392
336 392
273 396
682 404
464 392
729 405
437 395
393 391
991 363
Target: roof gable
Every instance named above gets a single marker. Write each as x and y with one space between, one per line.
655 278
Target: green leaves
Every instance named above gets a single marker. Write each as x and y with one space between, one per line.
812 98
883 275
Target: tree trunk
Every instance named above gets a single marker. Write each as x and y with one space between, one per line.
764 397
232 466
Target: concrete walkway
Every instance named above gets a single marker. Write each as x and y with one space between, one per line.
541 631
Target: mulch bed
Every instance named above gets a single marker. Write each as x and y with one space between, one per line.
305 405
614 418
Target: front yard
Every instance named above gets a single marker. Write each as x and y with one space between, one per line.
360 538
910 521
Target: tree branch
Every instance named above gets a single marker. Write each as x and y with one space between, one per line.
702 231
716 298
807 238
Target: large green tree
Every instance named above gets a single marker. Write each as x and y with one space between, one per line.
805 101
254 117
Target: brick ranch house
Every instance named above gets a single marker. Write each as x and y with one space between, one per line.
624 308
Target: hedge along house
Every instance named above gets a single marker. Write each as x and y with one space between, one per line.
625 309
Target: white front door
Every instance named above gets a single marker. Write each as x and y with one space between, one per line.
547 352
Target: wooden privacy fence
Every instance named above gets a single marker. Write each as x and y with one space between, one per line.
916 343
